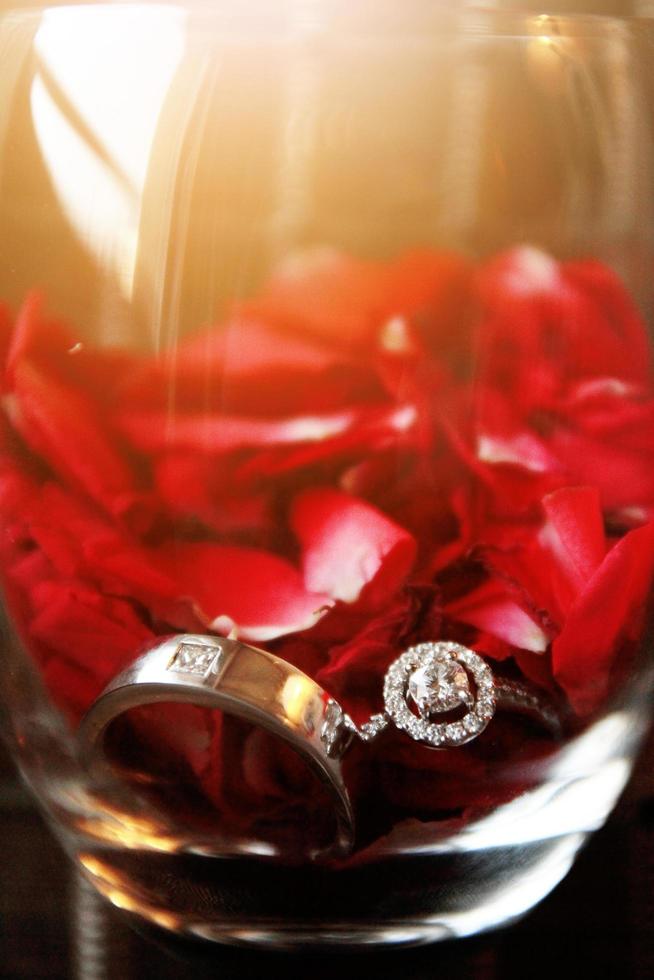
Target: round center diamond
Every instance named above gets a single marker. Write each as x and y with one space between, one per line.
440 687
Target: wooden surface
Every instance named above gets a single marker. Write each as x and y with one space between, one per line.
599 923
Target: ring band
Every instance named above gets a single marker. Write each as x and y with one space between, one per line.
240 680
441 694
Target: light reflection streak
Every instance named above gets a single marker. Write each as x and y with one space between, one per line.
102 75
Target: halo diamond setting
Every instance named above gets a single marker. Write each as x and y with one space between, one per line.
437 679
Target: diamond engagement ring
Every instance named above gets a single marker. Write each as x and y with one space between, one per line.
440 694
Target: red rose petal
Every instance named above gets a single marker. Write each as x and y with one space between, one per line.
245 348
610 608
5 328
359 663
81 624
530 570
579 541
566 330
62 354
422 280
173 737
348 546
372 430
610 408
80 543
536 669
259 594
302 650
18 492
63 427
491 646
30 571
624 477
285 444
434 291
157 431
72 686
602 434
505 435
97 634
204 488
326 295
345 300
619 316
22 573
378 401
35 336
549 562
247 366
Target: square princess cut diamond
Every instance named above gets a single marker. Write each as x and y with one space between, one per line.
195 658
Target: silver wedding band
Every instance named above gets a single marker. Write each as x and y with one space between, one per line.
240 680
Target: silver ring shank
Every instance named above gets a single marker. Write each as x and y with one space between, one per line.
240 680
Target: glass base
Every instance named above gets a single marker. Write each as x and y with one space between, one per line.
426 900
485 874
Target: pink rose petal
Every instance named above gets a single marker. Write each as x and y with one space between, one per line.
492 609
522 449
348 546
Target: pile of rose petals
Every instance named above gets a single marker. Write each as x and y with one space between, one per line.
363 456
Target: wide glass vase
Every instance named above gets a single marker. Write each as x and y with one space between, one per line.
325 329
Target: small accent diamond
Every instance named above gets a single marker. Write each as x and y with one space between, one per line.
372 728
336 730
456 732
195 658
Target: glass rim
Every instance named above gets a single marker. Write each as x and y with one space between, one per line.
371 19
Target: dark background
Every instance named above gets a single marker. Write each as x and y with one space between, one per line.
599 923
